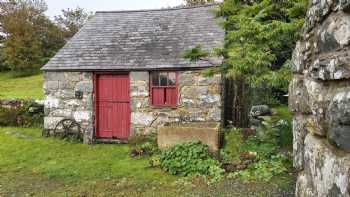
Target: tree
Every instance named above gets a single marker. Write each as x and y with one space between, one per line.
72 20
198 2
260 38
31 38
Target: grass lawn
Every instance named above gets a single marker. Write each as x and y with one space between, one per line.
22 87
31 165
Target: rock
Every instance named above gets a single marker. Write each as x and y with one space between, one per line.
84 86
142 118
260 110
320 101
81 116
298 58
326 171
331 69
298 96
334 33
51 102
208 100
339 120
299 134
345 5
51 85
51 122
19 134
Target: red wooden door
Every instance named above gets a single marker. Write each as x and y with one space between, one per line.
112 106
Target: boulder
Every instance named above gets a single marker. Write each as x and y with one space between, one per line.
260 110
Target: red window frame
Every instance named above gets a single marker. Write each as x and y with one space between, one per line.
174 87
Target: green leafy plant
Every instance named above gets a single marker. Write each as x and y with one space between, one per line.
22 115
233 140
264 169
190 159
141 145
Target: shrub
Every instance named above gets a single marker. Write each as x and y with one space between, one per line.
263 150
233 140
29 114
190 159
141 145
264 169
285 138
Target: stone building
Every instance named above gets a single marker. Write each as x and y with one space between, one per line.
320 101
124 73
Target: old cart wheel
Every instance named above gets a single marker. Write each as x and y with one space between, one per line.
68 128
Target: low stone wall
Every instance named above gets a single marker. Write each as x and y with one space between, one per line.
320 101
199 101
14 103
21 113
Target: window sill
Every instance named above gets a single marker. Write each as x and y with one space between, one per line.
163 107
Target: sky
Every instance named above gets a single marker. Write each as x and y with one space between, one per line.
55 6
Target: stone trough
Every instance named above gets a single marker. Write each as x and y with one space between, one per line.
176 133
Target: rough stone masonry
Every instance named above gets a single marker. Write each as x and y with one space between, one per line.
320 101
199 101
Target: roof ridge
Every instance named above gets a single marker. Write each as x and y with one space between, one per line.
161 9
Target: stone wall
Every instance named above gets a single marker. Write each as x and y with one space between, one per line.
61 101
199 101
320 101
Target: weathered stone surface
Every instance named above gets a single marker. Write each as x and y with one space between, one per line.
51 122
174 134
326 170
51 85
81 116
331 69
199 101
320 100
142 118
300 132
335 32
339 120
84 86
260 110
298 96
61 103
298 58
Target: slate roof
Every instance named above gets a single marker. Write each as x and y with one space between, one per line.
140 40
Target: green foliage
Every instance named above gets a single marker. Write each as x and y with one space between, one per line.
31 38
195 54
72 20
142 145
278 130
190 159
233 141
263 150
270 137
21 115
264 170
260 39
197 2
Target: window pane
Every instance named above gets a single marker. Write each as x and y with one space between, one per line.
172 79
163 79
155 78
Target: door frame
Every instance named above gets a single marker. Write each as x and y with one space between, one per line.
94 98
